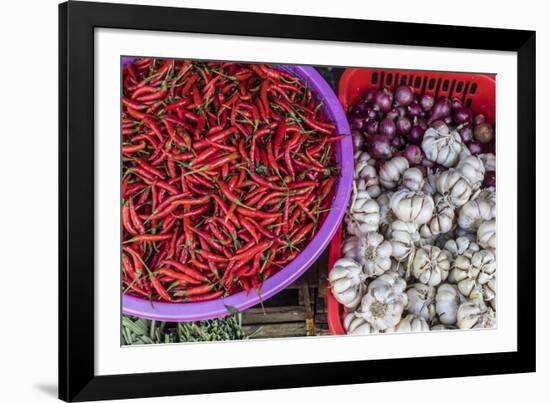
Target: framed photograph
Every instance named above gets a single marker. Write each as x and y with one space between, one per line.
258 201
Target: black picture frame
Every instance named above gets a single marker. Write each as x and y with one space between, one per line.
77 21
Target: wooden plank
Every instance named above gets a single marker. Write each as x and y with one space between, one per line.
274 315
292 329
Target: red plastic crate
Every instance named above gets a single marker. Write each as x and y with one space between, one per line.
475 90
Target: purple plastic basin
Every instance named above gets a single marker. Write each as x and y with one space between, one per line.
183 312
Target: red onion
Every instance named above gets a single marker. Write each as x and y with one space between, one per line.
413 154
427 102
462 115
420 121
436 124
393 114
372 126
378 146
479 119
404 95
403 125
475 147
466 134
490 179
387 128
357 123
484 133
448 120
359 109
398 142
382 101
416 135
456 103
441 109
402 111
422 168
358 139
415 109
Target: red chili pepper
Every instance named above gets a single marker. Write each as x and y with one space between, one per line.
185 270
160 289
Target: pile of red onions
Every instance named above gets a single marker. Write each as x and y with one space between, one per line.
393 123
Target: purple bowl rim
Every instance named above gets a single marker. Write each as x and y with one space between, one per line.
183 312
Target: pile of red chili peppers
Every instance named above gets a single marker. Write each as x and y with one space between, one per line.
228 171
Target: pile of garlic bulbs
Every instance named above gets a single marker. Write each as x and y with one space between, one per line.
418 249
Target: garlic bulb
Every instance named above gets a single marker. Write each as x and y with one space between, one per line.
356 325
391 171
398 267
472 168
430 185
364 214
384 302
454 186
367 179
415 207
386 213
372 252
377 254
487 234
421 301
472 214
442 145
347 282
431 265
473 273
410 323
447 300
413 179
403 236
489 292
442 220
475 314
461 246
489 161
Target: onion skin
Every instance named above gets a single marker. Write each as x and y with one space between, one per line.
404 95
387 128
466 134
358 139
475 147
490 179
357 123
382 101
479 119
378 146
463 115
393 114
456 103
441 109
484 133
403 125
372 126
416 135
398 142
413 154
415 109
427 102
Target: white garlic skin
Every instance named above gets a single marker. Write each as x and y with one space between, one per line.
487 234
347 282
413 179
430 265
421 301
390 173
415 207
442 146
447 300
384 302
410 324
